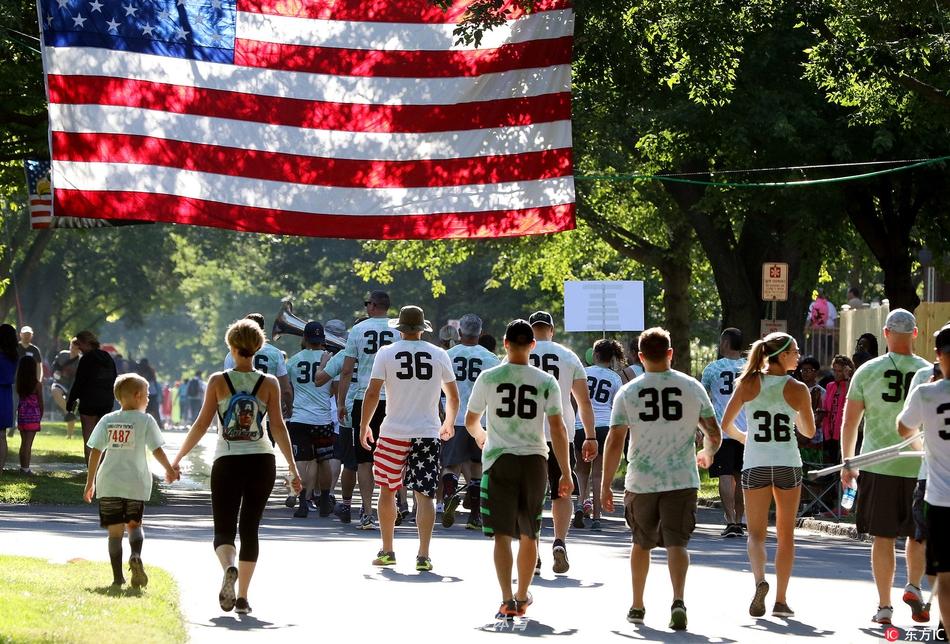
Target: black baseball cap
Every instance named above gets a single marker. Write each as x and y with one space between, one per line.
519 332
313 333
541 317
942 339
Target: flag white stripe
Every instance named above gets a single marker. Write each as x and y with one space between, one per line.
257 193
385 36
92 61
251 135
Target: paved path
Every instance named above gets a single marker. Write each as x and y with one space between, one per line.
315 580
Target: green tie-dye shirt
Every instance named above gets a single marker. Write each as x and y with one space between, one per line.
662 410
517 399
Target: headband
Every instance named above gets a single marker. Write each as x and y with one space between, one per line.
784 346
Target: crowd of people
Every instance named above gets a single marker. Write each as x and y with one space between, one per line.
379 407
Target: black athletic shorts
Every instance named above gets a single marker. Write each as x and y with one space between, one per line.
884 505
363 455
554 470
301 441
579 437
114 510
728 460
938 542
782 477
512 496
920 514
459 449
343 449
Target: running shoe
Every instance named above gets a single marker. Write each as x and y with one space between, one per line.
241 607
561 564
507 610
739 529
919 611
474 521
226 595
521 605
326 506
884 615
636 615
139 578
578 521
291 501
727 531
588 508
782 609
678 615
342 512
366 522
423 563
448 512
757 607
384 558
595 525
537 567
303 510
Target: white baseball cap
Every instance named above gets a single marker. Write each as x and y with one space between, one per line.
26 329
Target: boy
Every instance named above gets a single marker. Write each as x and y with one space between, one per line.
124 483
517 398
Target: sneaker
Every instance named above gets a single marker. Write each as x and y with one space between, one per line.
739 529
139 578
342 512
561 564
26 472
474 521
884 615
241 607
450 484
636 615
291 501
366 522
578 521
448 512
537 567
728 531
326 506
226 596
507 610
678 615
303 510
782 609
384 558
757 607
588 508
423 563
595 525
919 611
521 605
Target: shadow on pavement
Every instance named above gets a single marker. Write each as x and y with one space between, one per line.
643 633
389 574
524 627
788 627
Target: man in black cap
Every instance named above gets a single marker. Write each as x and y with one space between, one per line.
568 370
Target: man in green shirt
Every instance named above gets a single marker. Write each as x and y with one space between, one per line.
886 490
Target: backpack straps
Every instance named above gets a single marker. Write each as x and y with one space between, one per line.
257 385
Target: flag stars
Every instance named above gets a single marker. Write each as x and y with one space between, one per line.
130 10
113 26
95 6
147 30
79 21
181 33
62 3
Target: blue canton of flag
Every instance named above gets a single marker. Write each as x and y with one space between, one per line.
198 30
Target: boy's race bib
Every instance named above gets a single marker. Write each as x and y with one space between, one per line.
120 435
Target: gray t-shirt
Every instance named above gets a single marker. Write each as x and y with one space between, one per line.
125 438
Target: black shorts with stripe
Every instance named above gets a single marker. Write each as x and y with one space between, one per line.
513 496
783 477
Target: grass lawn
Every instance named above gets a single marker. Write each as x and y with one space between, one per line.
50 446
74 602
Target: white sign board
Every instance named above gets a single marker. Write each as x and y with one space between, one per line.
774 282
772 326
603 306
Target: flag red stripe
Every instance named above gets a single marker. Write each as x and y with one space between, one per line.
418 11
347 117
275 166
169 208
403 64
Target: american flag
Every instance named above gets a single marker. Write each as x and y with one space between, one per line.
39 193
331 118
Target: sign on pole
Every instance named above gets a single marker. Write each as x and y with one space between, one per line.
603 306
772 326
775 282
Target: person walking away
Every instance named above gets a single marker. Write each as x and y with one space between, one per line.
29 410
122 482
775 403
886 490
244 469
64 373
95 378
517 399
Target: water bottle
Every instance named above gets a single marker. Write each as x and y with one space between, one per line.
847 499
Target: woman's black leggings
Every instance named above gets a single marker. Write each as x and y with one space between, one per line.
241 484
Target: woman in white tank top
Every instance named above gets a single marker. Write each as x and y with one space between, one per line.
775 404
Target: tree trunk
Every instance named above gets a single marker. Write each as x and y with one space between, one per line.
676 277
